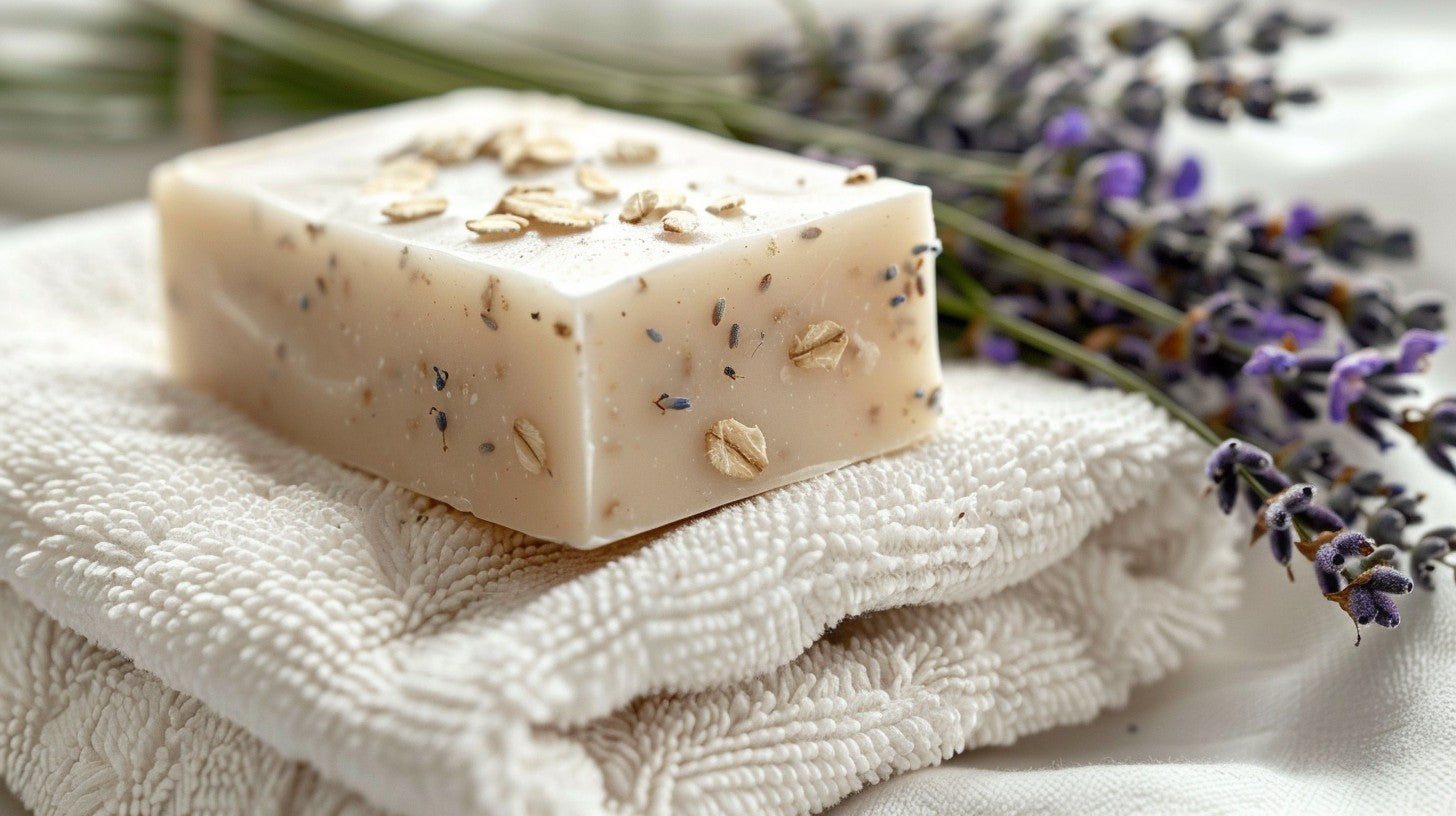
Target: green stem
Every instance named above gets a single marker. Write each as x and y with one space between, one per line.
975 302
272 34
1052 267
748 117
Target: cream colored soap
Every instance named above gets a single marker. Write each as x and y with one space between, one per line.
657 322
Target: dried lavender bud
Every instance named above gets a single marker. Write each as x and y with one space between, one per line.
1281 541
1228 493
1281 531
1349 236
1425 314
1316 456
1297 498
1260 97
1408 506
1208 99
1333 554
1139 35
1269 31
1423 558
1331 557
1386 526
1328 561
1367 482
1351 542
1388 580
1361 603
1142 103
1321 518
1235 452
1387 614
1398 244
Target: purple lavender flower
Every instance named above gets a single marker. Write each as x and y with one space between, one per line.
1277 325
1280 522
1188 179
1303 219
1366 606
1330 558
1389 580
999 348
1070 128
1272 360
1256 289
1122 175
1367 598
1295 504
1233 453
1347 380
1415 346
1222 468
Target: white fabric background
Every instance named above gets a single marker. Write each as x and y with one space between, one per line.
1283 714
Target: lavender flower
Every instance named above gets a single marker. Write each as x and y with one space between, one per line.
1222 468
1261 292
1273 361
1347 380
1067 129
1330 558
1187 180
1415 346
1122 175
1303 219
999 348
1280 523
1367 598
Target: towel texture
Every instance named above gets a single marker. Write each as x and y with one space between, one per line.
203 618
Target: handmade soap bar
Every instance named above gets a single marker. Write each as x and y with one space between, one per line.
574 323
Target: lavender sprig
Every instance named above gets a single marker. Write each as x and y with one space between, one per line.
1256 325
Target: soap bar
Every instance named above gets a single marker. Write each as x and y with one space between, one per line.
572 322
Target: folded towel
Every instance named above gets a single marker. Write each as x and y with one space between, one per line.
203 618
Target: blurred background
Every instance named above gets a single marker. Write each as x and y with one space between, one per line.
93 93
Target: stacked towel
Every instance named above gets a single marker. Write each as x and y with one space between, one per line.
200 617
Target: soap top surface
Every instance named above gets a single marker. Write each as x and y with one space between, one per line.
322 173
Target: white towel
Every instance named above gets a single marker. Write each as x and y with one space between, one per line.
201 618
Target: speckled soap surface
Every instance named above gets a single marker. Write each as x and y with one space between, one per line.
575 323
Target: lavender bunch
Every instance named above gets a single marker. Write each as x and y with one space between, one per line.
1264 328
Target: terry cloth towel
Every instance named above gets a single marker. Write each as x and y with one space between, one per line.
201 618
